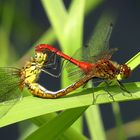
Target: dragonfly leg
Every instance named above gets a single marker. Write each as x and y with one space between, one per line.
85 85
93 95
49 73
106 89
61 68
54 75
53 60
122 87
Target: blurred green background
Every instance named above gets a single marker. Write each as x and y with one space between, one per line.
24 23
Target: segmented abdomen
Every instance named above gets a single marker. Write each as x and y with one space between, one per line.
40 91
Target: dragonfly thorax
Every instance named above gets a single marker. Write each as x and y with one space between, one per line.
106 69
29 73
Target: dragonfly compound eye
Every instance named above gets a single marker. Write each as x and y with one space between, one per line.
125 71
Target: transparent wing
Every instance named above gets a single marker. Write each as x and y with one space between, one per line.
99 40
107 54
74 72
98 44
7 72
97 47
8 99
9 90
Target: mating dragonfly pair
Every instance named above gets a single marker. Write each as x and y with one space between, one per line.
98 65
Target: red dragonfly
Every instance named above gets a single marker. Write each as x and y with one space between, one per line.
97 65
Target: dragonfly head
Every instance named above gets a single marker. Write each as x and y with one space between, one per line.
40 58
125 71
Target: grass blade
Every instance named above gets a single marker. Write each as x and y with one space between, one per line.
55 11
58 125
134 61
94 122
31 107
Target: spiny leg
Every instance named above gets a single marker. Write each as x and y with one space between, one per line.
53 60
122 87
107 83
106 89
85 85
93 85
55 75
93 95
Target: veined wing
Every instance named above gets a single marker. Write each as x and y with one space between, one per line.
74 72
105 54
8 99
92 53
9 90
98 46
99 41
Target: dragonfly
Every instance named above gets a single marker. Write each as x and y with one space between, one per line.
13 80
97 65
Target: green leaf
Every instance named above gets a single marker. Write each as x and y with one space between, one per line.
58 125
94 123
91 5
25 129
8 11
31 106
118 120
57 15
134 61
73 30
4 44
72 134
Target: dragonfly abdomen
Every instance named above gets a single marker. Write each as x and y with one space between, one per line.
39 91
